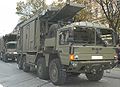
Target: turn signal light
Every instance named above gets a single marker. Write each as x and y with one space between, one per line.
72 57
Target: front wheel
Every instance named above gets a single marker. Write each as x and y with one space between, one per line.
5 59
26 67
42 70
95 77
57 75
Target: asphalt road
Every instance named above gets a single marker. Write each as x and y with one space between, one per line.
11 76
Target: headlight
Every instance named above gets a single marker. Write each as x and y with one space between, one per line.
76 57
14 52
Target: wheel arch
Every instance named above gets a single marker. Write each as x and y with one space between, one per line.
38 56
48 57
53 56
20 56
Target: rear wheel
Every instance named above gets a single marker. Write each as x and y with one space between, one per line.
57 75
5 59
42 70
1 55
26 67
95 77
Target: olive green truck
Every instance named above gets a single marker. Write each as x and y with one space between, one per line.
58 47
8 45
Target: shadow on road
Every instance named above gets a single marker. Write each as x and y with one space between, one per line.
79 82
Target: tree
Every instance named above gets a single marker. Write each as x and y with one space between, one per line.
37 5
111 12
31 7
23 9
85 14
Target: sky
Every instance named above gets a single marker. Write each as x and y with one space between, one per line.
8 18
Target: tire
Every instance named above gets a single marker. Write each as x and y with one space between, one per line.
1 56
26 67
56 74
5 59
42 70
20 63
95 77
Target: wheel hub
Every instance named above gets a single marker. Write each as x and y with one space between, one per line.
40 69
54 73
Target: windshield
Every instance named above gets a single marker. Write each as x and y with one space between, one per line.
104 36
11 46
84 35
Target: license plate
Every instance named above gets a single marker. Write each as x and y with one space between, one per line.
97 57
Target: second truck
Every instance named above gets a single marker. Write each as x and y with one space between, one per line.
59 47
8 44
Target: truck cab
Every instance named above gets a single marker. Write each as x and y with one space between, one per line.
85 43
10 51
83 47
8 45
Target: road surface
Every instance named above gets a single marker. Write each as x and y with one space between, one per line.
11 76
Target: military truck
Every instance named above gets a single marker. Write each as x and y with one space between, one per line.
58 47
8 45
1 47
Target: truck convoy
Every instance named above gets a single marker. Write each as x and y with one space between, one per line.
8 45
58 47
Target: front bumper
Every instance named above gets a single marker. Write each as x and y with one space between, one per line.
89 66
11 56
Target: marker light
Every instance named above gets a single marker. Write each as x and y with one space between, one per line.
14 52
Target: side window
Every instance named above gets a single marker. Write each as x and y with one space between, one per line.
63 36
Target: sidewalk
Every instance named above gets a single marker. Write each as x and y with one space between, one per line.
114 73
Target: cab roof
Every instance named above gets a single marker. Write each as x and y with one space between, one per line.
12 42
87 24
